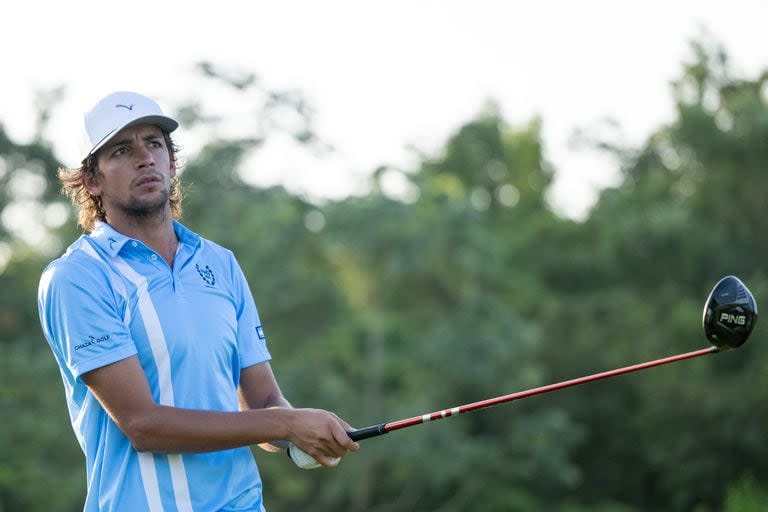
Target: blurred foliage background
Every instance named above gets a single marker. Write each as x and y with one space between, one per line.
466 285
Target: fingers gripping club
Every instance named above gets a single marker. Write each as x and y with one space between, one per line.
304 460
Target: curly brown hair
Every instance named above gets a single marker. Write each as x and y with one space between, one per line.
89 207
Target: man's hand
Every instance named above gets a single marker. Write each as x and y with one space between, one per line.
314 433
320 434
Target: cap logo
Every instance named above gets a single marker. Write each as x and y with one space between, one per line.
124 106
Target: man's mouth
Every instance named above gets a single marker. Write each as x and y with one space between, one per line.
150 178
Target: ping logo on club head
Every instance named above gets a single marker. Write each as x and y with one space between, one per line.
732 319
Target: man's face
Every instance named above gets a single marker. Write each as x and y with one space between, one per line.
135 171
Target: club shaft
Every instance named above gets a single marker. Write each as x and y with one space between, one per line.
383 428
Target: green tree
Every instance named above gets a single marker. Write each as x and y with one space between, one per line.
465 286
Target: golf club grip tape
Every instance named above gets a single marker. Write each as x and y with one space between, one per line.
365 433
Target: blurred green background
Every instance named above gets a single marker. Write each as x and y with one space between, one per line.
466 286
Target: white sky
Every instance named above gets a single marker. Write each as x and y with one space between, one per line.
380 75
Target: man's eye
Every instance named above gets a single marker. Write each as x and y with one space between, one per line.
119 151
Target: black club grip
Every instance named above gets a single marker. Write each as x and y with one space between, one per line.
365 433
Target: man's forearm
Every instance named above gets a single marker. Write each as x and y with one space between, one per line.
275 446
170 429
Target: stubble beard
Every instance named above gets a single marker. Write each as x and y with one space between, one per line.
141 210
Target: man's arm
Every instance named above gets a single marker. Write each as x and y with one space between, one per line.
259 389
123 391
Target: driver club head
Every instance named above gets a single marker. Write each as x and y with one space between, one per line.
730 313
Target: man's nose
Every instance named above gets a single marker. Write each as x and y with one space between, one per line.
144 157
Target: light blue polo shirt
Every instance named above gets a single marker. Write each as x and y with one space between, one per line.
193 328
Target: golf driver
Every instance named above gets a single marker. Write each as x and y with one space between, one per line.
730 314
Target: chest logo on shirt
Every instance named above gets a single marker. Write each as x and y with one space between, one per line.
207 274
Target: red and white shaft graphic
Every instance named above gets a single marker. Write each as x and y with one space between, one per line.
383 428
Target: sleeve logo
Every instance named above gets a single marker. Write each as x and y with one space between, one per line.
92 340
260 332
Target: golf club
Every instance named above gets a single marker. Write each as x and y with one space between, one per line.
730 314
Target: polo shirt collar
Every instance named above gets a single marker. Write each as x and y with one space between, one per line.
185 235
112 241
107 238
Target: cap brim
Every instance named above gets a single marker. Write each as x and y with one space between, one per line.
166 123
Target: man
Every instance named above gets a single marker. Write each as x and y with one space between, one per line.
158 339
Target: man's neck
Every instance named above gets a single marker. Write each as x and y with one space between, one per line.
156 231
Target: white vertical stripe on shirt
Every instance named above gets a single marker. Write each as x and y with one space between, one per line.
180 484
146 460
159 349
154 331
117 283
149 478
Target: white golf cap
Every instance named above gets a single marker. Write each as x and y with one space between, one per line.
120 110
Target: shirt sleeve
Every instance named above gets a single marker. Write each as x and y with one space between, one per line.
251 342
83 317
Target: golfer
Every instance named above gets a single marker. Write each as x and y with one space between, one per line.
157 337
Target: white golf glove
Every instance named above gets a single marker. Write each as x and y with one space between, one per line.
303 459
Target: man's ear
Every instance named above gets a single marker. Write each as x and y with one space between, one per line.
172 168
92 183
